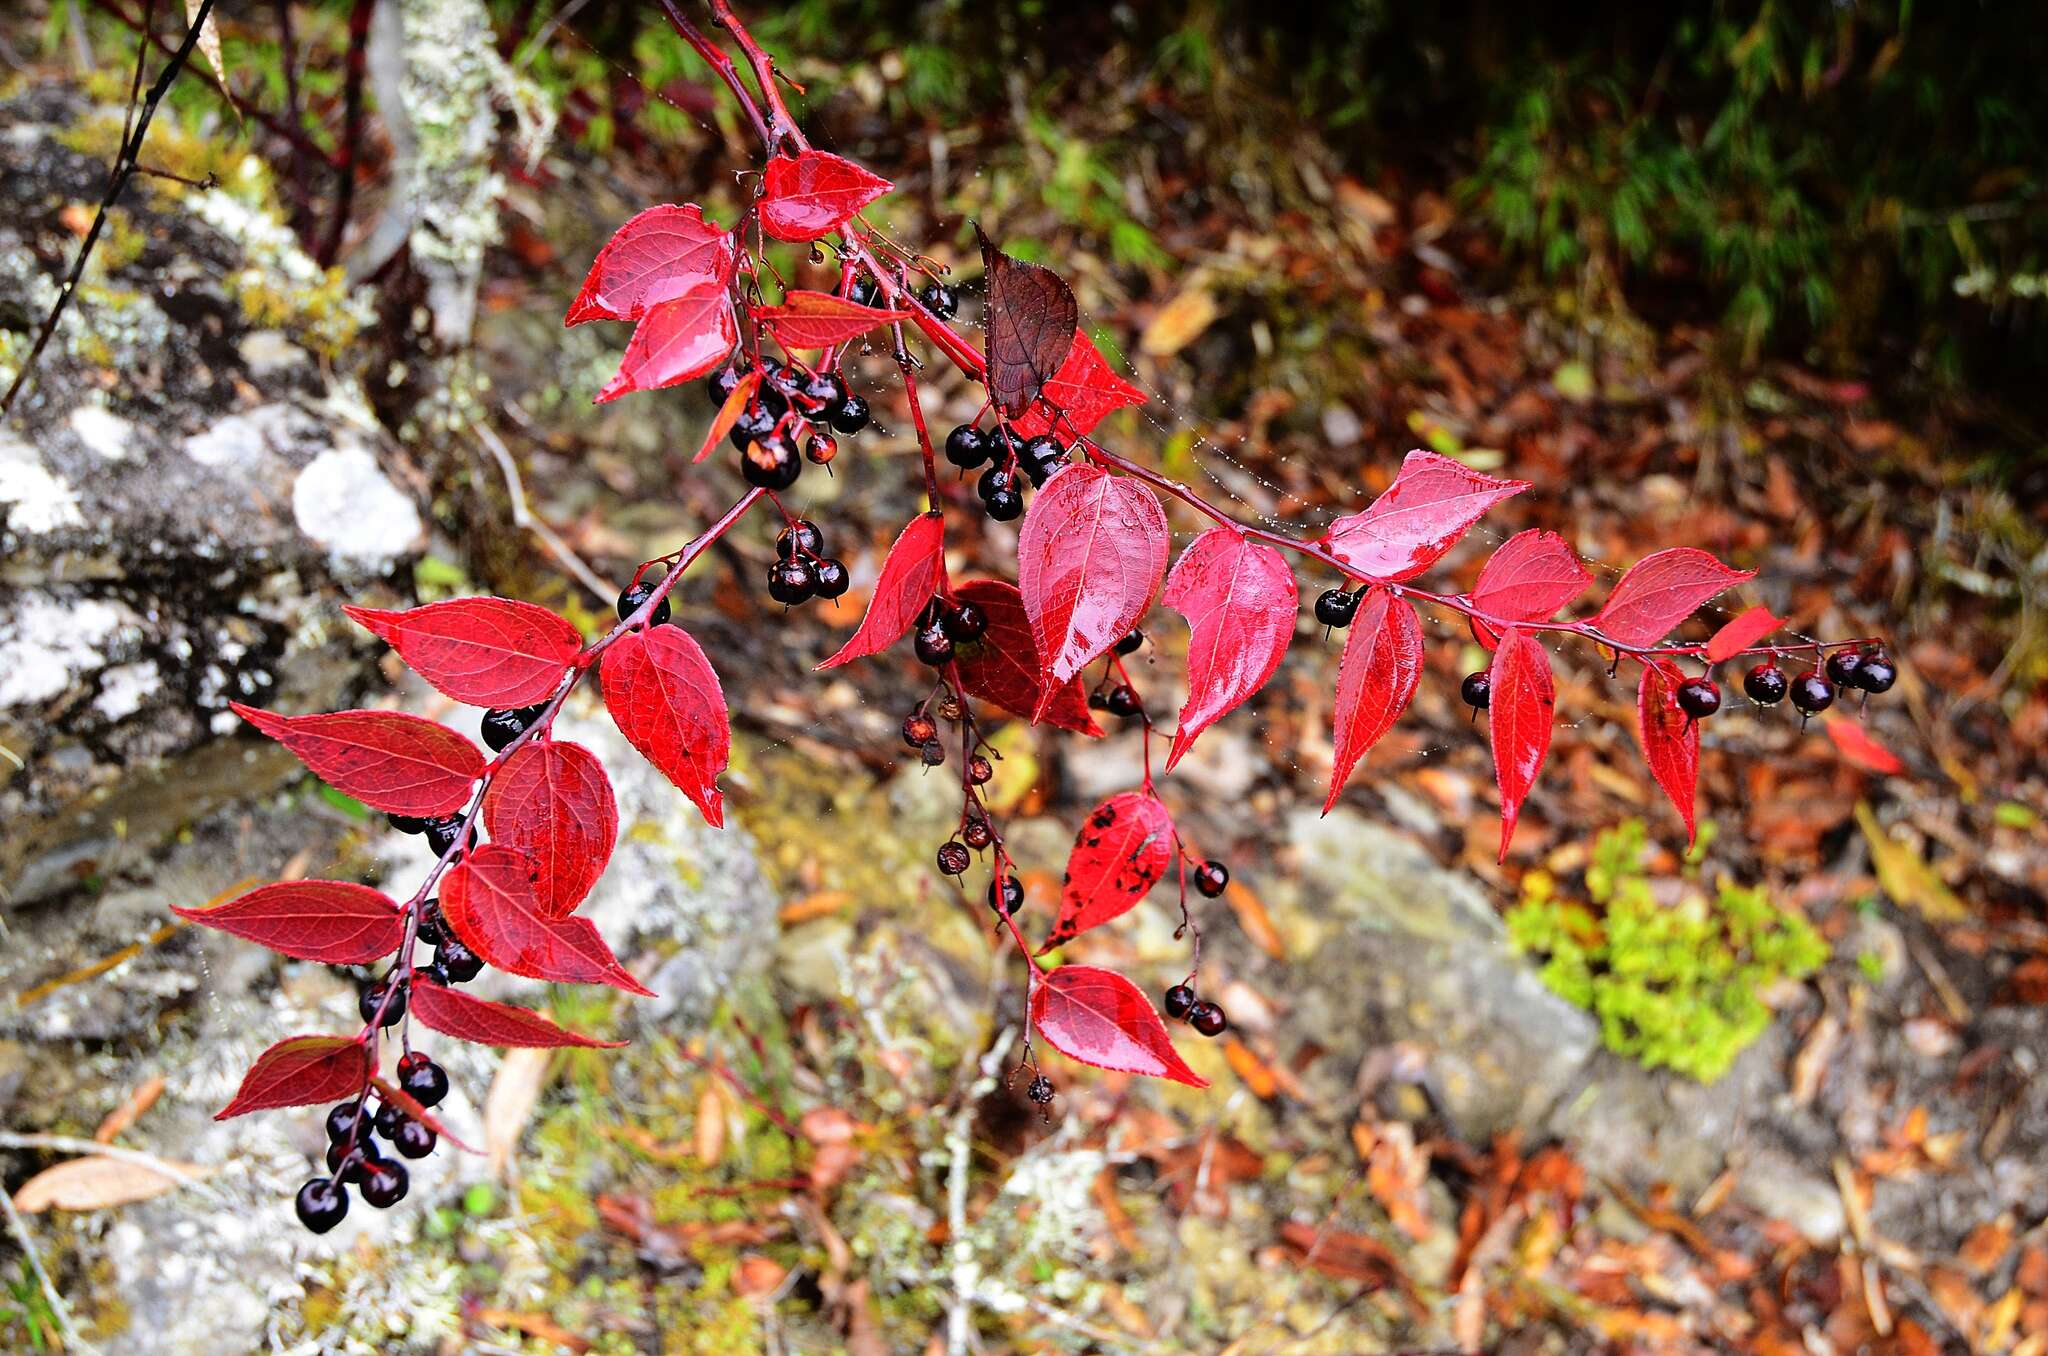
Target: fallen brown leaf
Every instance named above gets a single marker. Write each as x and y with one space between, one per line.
98 1183
125 1115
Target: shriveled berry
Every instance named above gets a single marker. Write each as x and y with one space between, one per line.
979 770
770 464
504 724
1004 505
954 858
934 646
830 578
1812 692
1876 673
1766 684
800 538
1123 700
791 581
341 1121
321 1204
1006 895
422 1079
414 1140
852 416
1180 1000
919 729
977 834
1210 878
1336 608
638 593
933 753
457 961
1699 698
383 997
1130 643
941 300
1477 690
385 1183
964 622
1842 666
1040 1091
1207 1018
967 447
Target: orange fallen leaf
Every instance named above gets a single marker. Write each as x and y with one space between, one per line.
125 1115
819 904
97 1183
532 1325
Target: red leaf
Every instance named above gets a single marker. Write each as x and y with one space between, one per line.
389 761
335 921
457 1014
1089 559
1376 679
1002 667
813 194
1660 591
1078 396
1741 633
1122 851
1240 602
483 651
1531 576
679 340
728 414
1030 322
1098 1017
909 578
1671 739
1524 701
552 803
657 256
820 320
300 1071
412 1107
488 899
665 698
1859 748
1431 504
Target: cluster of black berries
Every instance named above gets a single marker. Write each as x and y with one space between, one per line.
936 297
1008 458
943 625
354 1157
788 398
801 571
1203 1015
1120 699
1868 669
441 830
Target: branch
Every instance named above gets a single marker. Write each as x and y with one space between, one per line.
351 129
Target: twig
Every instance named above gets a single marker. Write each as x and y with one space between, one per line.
351 129
72 1337
524 516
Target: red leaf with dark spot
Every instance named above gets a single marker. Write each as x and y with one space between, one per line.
1089 560
1240 602
813 194
909 578
657 256
1376 678
1670 738
1660 591
1860 748
300 1071
820 320
1432 503
483 651
465 1017
1078 396
677 341
1123 849
552 803
1740 633
1524 701
1098 1017
1030 322
1531 576
664 696
488 899
335 921
1002 667
389 761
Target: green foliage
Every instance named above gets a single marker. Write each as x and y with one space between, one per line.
1672 984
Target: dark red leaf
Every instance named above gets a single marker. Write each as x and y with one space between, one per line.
664 696
335 921
483 651
813 194
1002 667
909 578
677 341
465 1017
1078 396
1524 701
820 320
657 256
1431 504
1531 576
411 1106
552 803
1376 678
389 761
1089 560
1741 633
1670 738
1123 849
1098 1017
488 899
1030 322
1860 748
1660 591
300 1071
1240 602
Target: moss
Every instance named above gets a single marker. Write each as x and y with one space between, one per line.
1673 985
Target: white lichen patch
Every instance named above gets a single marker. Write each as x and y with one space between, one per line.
36 501
46 642
124 688
105 434
239 441
343 501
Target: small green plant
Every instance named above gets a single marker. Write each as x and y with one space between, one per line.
1673 984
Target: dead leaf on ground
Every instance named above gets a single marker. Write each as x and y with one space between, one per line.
98 1183
130 1111
532 1325
509 1106
1180 322
1903 875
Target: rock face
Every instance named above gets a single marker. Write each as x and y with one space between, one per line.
187 489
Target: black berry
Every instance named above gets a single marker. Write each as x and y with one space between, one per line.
340 1122
788 382
351 1162
1477 690
823 396
413 1139
852 416
1876 673
791 581
441 834
1004 505
722 383
1766 684
1205 1017
1211 877
996 480
771 464
756 424
1123 700
433 927
966 447
321 1204
865 291
504 724
1180 1000
820 449
830 578
919 729
1039 458
638 593
934 646
1812 692
954 858
1005 895
1130 643
407 823
373 1000
1335 607
431 974
457 961
1842 666
385 1183
800 538
941 300
964 622
1699 698
422 1079
389 1118
1040 1091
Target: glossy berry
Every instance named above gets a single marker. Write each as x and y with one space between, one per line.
373 999
384 1185
1004 506
724 382
1130 643
635 595
504 724
389 1118
964 622
934 646
431 974
1812 692
1335 607
441 833
341 1120
979 770
830 578
422 1079
941 300
1040 1091
433 925
967 447
823 396
414 1140
919 729
933 753
1123 700
786 381
1699 698
1039 458
1876 673
756 424
1477 690
791 581
800 538
457 961
1210 878
954 858
321 1204
977 834
1180 1000
852 416
350 1163
820 449
997 479
1842 666
1205 1017
1765 684
771 464
407 823
865 291
1006 895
